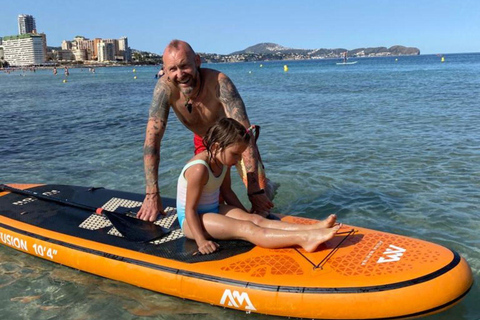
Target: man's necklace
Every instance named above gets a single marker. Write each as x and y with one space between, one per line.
188 102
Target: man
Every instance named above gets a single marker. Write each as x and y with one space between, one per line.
199 97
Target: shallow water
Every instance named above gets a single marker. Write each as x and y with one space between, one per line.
390 145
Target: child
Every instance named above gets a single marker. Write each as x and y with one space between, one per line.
202 218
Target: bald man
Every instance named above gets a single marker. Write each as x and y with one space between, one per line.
199 97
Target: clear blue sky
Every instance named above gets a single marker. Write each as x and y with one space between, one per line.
223 26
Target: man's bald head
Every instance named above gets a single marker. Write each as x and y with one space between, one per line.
179 45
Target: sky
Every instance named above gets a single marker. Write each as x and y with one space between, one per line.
223 26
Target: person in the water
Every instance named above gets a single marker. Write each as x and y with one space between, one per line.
199 97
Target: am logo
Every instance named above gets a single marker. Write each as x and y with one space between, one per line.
237 300
391 254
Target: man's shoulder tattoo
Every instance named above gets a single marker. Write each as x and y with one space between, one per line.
160 102
227 93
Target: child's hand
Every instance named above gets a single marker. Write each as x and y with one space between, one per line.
207 247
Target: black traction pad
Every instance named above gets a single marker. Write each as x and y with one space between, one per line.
88 225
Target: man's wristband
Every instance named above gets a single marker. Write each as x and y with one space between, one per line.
261 191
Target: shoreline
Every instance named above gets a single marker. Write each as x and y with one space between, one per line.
77 65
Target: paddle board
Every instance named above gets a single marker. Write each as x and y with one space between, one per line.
346 63
359 274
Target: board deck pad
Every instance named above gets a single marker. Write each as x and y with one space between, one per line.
75 222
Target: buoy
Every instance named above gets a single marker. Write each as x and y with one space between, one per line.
64 80
134 70
249 71
396 60
261 66
443 59
135 77
285 68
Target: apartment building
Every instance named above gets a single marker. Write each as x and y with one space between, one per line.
26 24
25 49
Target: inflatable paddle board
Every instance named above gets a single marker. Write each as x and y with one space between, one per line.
345 63
359 274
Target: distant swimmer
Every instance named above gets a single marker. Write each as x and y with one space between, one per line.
67 73
55 70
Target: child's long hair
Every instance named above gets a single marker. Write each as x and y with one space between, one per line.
225 132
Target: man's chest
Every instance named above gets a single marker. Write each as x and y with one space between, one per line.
198 116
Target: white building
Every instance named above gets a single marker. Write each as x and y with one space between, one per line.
80 54
24 50
66 45
26 24
106 51
84 45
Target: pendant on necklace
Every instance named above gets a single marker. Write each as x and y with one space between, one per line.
189 106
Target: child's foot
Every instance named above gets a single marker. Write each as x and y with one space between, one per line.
317 237
328 223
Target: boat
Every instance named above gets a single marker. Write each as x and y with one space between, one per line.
359 274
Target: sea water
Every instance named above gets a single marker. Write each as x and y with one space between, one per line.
388 143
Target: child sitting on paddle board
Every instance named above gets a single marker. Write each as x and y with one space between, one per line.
202 218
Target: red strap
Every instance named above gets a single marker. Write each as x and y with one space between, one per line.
99 211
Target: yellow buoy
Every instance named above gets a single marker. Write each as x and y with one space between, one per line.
64 80
261 66
135 77
285 68
443 59
134 70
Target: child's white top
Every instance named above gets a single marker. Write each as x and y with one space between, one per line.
210 194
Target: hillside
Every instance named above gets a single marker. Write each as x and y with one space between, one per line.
268 48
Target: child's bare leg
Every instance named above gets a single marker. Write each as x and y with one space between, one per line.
222 227
239 214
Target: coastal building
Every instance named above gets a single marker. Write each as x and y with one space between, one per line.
106 51
83 49
80 54
65 55
114 47
26 24
66 45
124 50
26 49
101 50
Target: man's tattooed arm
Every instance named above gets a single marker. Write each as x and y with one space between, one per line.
231 100
235 108
157 123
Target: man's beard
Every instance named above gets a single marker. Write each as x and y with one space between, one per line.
187 91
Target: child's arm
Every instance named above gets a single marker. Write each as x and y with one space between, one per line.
227 193
197 177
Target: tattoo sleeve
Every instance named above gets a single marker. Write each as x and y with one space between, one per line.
231 100
157 122
235 108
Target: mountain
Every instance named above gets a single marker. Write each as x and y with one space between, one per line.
268 48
